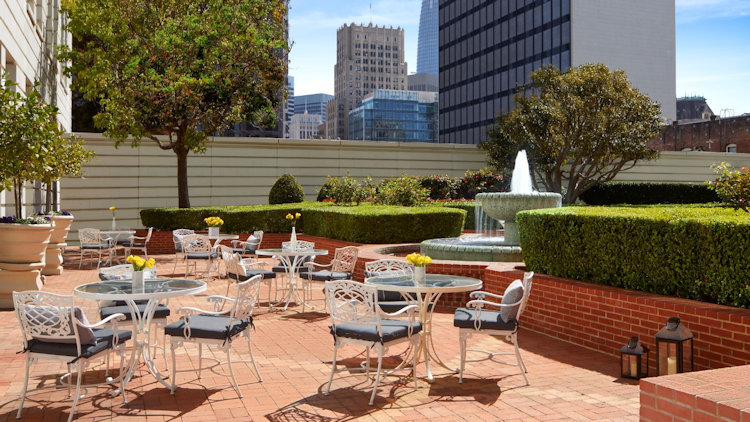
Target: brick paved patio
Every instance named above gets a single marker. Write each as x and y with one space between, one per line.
293 351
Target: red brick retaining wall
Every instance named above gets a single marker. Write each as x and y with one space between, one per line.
597 317
717 395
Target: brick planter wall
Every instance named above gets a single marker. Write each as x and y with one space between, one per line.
596 317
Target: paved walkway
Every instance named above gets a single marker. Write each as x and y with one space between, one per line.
294 350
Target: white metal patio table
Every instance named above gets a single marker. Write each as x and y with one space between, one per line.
116 235
218 238
292 260
154 290
425 295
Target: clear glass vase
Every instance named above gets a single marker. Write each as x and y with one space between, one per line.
138 286
293 239
213 231
420 275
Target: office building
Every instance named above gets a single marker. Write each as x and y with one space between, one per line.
289 110
396 116
367 58
427 43
312 103
423 82
693 109
489 48
304 126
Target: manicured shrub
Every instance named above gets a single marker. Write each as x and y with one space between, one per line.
441 186
367 223
732 186
405 191
286 190
469 207
483 180
347 190
648 193
694 252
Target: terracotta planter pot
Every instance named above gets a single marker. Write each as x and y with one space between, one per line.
62 227
24 243
22 253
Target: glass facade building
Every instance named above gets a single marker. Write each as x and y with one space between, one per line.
312 103
487 50
427 43
396 116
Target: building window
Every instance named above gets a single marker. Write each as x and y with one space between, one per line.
732 148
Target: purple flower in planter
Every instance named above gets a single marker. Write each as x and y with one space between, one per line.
65 213
47 218
7 219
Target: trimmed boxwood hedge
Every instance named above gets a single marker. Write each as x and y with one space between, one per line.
694 252
612 193
362 224
470 223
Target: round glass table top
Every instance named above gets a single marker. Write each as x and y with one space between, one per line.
287 252
158 288
443 283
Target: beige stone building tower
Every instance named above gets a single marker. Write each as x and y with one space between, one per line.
367 58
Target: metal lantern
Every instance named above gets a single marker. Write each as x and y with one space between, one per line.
633 359
673 350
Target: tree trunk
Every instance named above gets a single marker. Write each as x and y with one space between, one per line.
48 197
183 195
18 195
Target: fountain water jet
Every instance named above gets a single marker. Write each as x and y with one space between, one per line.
501 206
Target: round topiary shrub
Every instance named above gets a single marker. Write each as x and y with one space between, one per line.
286 190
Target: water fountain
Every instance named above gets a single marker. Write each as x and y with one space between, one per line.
501 206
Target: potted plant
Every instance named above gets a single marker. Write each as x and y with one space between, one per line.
32 147
214 224
54 259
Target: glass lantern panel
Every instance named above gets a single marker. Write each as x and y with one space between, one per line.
633 366
672 358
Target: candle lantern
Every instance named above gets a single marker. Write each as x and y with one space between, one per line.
674 348
633 359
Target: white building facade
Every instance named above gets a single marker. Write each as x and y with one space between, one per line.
305 126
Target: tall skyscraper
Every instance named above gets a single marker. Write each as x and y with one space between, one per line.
427 43
312 104
367 58
489 49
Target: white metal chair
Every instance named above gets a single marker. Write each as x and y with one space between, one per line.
138 243
94 243
54 329
390 301
341 268
357 319
177 236
239 269
249 246
217 327
475 319
198 248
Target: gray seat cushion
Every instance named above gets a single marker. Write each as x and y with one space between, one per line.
252 273
162 311
490 320
103 342
247 250
325 275
208 326
95 247
392 330
137 244
202 255
513 293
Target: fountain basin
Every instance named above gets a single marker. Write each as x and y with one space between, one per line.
472 249
504 206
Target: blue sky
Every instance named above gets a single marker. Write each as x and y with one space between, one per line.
713 44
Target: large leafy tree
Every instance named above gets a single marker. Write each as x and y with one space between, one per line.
581 127
176 71
33 146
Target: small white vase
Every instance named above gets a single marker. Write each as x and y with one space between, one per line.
138 282
213 231
293 240
114 224
420 275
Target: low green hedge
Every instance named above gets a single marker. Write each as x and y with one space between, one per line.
361 224
648 193
694 252
469 207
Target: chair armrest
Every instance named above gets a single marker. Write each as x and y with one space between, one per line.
248 262
406 309
112 318
312 264
242 242
189 311
482 295
136 238
478 303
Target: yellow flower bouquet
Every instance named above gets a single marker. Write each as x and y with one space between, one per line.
292 218
214 221
139 264
418 260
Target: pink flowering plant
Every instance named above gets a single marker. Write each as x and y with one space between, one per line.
732 186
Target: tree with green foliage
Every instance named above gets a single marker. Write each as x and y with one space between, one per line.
177 72
286 190
583 126
33 146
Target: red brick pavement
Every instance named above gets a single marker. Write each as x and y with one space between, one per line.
293 351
